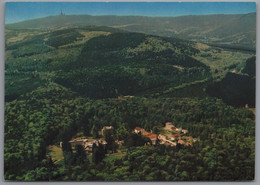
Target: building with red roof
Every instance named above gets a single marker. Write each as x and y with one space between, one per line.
176 136
181 142
138 130
144 133
152 137
173 128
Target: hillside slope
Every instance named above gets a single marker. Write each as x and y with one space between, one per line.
99 62
104 62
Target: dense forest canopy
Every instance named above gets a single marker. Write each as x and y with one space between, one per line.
66 83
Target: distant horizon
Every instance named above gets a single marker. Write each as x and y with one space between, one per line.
24 11
125 16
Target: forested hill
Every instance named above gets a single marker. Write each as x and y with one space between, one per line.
100 62
103 62
237 89
229 30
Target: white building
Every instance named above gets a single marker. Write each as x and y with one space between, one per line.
178 129
168 125
105 128
184 131
138 130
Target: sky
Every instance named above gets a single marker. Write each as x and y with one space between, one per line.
20 11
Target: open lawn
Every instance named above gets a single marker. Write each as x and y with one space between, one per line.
220 60
55 152
114 157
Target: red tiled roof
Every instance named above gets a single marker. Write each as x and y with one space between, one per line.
176 135
138 128
149 135
146 133
152 136
173 128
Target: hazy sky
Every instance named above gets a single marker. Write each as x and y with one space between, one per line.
19 11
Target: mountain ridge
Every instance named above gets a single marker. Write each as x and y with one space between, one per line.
236 30
251 13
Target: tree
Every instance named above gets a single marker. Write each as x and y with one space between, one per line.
67 152
80 155
110 139
98 152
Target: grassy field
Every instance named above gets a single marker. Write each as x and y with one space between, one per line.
12 36
55 152
222 61
114 157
